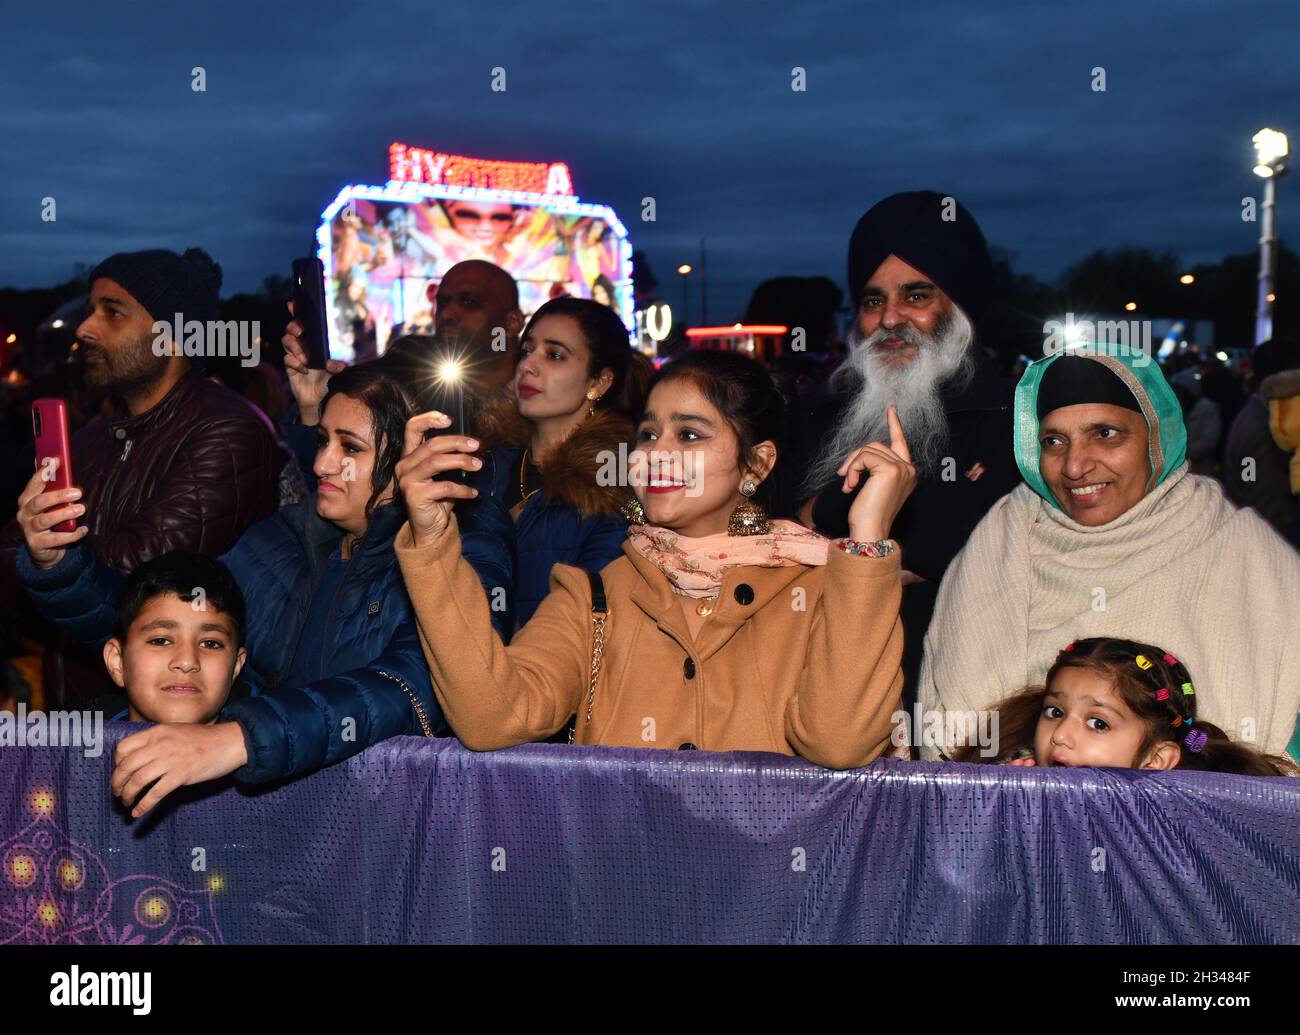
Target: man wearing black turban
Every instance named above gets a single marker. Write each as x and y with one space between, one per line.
920 275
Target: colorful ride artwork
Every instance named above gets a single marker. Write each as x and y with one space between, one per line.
386 248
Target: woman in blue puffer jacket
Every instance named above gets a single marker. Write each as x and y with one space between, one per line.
334 659
551 449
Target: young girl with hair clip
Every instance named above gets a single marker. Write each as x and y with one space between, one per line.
1118 703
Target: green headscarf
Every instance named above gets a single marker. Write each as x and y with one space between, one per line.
1166 433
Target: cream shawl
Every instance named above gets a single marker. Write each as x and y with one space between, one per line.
1183 570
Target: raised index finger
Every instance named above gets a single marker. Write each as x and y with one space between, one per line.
897 441
418 425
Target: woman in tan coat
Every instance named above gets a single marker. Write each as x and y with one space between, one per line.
722 630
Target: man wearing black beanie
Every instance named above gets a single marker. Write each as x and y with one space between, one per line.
919 275
189 467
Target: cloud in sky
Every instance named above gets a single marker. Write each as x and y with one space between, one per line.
687 103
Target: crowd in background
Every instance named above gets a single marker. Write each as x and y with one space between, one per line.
383 566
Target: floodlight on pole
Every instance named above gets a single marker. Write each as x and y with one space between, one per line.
685 270
1271 150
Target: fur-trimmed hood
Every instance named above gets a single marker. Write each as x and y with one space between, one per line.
570 473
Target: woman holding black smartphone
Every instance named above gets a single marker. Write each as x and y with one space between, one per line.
717 628
330 630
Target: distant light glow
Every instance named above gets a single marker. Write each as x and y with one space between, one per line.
1130 306
11 339
57 324
658 321
1222 357
684 268
751 328
1187 278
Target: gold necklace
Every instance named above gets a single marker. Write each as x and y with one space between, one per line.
523 460
523 482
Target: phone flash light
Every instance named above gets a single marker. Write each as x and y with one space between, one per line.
449 370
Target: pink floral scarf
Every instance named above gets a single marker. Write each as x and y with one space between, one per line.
695 567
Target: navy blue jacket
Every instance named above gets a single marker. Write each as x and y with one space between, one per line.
278 564
548 531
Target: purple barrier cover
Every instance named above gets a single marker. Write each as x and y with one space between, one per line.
423 841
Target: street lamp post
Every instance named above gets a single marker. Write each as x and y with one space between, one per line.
685 270
1270 158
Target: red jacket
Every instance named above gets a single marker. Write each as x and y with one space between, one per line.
192 473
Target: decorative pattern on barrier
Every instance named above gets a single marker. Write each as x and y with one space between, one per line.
421 841
54 891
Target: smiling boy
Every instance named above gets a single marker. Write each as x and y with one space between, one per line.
178 643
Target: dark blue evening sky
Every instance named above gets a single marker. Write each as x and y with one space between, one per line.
687 102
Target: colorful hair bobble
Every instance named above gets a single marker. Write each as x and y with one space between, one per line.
1170 659
1162 694
1187 690
1195 740
1069 646
1143 662
1178 721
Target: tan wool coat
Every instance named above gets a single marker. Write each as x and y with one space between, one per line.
797 660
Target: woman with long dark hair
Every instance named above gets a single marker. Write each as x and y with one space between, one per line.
551 449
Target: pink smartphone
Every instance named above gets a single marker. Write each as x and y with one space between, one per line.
54 449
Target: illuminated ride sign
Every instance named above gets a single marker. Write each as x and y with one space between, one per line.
416 165
386 248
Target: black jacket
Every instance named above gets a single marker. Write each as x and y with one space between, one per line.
192 473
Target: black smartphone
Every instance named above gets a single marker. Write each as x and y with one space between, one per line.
309 310
449 397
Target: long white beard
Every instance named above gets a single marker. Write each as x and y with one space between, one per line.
945 362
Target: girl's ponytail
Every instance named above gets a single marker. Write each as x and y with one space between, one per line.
1220 754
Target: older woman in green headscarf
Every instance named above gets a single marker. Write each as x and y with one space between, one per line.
1109 535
